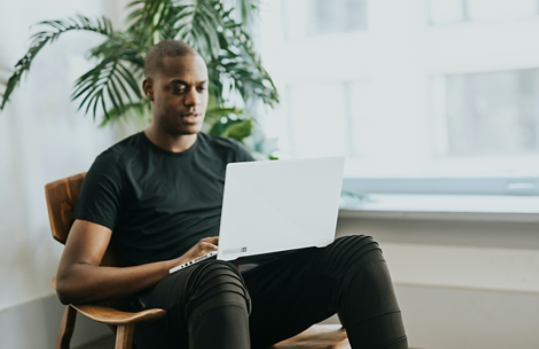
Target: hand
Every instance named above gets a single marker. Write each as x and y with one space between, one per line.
202 247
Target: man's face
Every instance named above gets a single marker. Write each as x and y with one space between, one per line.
179 94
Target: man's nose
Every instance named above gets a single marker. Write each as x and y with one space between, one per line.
192 98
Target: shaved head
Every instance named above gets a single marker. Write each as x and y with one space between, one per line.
153 63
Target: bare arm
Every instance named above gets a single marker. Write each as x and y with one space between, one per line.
81 279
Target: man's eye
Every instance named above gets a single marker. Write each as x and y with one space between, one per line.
201 88
178 90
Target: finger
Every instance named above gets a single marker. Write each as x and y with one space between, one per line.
212 240
206 246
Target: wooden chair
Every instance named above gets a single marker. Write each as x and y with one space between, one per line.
62 196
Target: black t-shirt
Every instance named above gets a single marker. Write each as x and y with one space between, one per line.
158 203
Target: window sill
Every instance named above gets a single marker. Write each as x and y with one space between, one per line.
492 208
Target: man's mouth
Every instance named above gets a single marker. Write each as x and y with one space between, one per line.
190 117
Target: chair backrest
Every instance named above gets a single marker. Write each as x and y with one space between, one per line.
62 196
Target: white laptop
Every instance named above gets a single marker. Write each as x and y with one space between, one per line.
273 206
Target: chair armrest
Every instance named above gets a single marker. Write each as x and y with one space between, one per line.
113 316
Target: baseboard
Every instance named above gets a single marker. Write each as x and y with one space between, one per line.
35 325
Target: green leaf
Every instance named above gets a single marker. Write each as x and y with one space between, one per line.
39 40
139 111
102 81
216 113
239 131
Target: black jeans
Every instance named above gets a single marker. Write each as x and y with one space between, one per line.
213 305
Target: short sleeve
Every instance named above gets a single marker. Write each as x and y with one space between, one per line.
101 192
242 153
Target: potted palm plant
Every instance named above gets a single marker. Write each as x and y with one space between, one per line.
220 32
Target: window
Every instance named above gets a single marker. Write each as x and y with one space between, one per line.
318 17
410 100
320 112
452 11
490 114
337 16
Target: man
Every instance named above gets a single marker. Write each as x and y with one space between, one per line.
160 191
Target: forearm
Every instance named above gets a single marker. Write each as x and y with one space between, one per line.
84 283
82 279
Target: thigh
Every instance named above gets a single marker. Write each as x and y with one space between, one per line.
187 294
171 330
300 289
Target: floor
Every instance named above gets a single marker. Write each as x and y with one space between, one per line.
108 342
104 343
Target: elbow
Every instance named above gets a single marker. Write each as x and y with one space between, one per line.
67 293
63 292
64 297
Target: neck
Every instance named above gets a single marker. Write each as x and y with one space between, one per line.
166 141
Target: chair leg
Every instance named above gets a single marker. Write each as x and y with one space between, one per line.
124 336
66 328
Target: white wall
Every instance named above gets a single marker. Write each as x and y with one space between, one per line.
42 138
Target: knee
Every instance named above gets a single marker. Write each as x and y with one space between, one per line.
217 283
348 251
355 244
348 255
217 276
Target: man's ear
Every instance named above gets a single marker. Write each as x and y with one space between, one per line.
147 87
